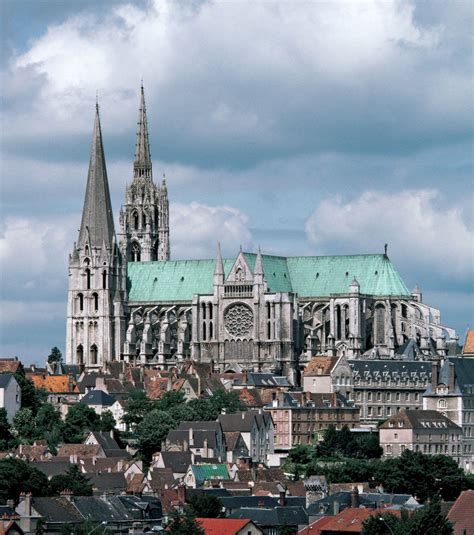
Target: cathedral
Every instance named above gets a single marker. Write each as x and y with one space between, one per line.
128 301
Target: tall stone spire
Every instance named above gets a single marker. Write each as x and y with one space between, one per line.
97 226
142 163
219 267
258 270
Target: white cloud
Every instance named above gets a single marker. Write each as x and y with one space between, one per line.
197 228
423 235
234 74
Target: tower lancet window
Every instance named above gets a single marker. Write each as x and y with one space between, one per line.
135 253
95 298
80 299
136 220
93 354
104 280
88 279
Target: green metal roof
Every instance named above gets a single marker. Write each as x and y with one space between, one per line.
206 472
307 276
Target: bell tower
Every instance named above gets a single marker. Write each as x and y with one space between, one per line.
95 316
144 218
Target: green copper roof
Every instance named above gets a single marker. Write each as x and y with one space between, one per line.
307 276
206 472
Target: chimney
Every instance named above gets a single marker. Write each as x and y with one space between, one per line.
70 382
206 451
191 437
182 493
282 497
11 503
336 507
434 375
261 504
100 384
243 415
27 503
451 376
355 498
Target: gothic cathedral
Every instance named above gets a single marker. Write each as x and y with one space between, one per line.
127 301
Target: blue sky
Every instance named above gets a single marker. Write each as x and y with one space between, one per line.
302 127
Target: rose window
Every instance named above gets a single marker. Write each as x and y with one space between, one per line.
238 320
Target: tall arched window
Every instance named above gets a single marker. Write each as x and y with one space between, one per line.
80 300
144 221
204 337
95 298
155 251
104 280
136 253
338 323
379 324
80 354
93 354
210 330
136 220
88 279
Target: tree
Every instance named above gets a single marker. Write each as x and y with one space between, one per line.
382 524
430 519
137 405
24 425
301 454
205 505
79 420
16 477
152 432
5 433
72 480
184 524
169 400
229 400
55 355
106 422
30 397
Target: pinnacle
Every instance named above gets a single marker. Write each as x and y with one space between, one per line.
142 163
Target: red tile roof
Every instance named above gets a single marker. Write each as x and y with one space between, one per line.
9 365
58 384
320 366
222 526
461 513
350 520
315 527
468 348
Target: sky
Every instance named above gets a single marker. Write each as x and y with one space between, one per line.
302 127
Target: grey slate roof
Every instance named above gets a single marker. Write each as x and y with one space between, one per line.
51 468
97 226
266 380
5 379
106 441
98 397
199 436
361 367
56 509
277 516
237 502
464 375
108 482
176 460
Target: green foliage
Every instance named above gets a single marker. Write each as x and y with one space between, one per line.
80 419
6 438
30 397
136 406
106 422
16 477
302 454
288 530
72 480
423 476
55 355
205 506
170 400
344 443
429 519
184 524
152 431
24 426
84 528
48 426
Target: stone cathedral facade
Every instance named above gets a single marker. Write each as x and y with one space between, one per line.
128 301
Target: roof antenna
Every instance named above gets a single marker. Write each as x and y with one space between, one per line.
386 249
97 99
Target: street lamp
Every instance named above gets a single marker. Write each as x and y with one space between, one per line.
382 519
103 523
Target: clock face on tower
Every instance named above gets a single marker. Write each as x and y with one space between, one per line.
238 320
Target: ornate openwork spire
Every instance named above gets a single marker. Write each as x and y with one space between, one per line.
142 163
97 226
